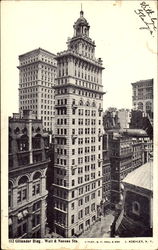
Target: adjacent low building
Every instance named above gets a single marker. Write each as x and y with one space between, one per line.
120 150
128 150
136 217
28 146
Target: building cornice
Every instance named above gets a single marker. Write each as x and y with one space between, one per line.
84 38
78 87
31 167
36 62
36 51
79 56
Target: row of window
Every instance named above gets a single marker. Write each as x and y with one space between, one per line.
30 90
63 141
87 140
79 92
47 113
89 85
80 170
34 83
81 103
80 180
81 213
34 59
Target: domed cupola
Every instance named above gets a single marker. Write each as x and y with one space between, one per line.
81 26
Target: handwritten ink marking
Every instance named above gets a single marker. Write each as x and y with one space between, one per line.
145 13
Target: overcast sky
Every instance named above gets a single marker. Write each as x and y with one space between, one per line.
128 53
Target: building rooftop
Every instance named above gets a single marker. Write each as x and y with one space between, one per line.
129 132
141 177
37 51
143 81
134 132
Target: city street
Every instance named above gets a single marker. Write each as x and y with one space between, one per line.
100 229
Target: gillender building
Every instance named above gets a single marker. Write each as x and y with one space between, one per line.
77 186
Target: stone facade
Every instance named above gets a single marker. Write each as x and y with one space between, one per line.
27 176
77 189
143 96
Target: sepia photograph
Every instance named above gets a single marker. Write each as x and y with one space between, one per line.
79 124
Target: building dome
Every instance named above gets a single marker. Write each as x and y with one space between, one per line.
81 26
81 19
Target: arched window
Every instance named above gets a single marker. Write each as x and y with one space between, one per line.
87 103
22 189
17 131
93 104
136 208
81 103
36 184
36 141
38 130
23 143
24 131
140 105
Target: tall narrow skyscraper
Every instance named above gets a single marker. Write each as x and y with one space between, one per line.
37 72
77 189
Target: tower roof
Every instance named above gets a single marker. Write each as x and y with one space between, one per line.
81 20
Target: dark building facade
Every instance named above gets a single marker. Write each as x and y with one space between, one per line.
128 150
106 183
139 121
111 119
28 147
120 151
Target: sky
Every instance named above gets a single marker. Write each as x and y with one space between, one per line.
128 52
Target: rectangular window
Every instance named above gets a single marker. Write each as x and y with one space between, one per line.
72 219
73 194
72 206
